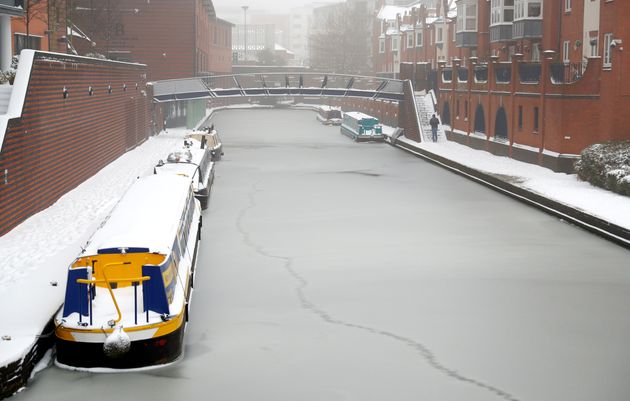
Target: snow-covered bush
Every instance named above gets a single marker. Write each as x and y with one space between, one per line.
9 75
606 165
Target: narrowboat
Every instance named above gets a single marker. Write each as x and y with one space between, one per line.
193 161
209 137
127 294
361 127
329 115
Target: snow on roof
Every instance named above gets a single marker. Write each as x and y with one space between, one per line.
147 216
392 31
357 115
406 27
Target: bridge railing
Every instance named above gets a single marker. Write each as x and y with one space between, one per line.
278 84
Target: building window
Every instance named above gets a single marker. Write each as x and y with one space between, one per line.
466 109
409 40
567 5
466 17
594 47
394 44
520 117
419 38
502 11
565 51
439 34
457 108
381 45
536 119
534 10
33 42
608 38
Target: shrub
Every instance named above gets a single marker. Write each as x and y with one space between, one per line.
606 165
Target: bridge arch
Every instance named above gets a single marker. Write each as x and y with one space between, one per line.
480 119
446 114
501 125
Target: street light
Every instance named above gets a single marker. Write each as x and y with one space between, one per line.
245 31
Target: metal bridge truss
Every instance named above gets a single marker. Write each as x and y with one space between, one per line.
278 84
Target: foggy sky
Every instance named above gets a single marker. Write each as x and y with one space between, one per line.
231 9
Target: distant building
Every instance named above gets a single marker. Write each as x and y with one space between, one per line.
7 10
175 38
256 37
537 80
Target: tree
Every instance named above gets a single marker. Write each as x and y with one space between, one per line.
269 57
35 10
341 44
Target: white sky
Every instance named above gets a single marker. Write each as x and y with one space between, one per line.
231 9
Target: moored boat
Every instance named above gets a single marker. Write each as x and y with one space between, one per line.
361 127
127 294
209 137
329 115
193 161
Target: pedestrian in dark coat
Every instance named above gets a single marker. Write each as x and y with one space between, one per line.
434 122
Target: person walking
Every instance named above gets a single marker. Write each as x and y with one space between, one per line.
434 122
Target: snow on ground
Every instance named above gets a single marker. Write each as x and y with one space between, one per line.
37 253
564 188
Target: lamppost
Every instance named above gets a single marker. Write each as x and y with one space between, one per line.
245 31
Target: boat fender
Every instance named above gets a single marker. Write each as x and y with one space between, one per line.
117 343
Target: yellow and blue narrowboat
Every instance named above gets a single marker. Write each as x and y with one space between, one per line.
361 127
127 294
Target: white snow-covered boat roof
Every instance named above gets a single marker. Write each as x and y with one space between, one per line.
147 216
358 115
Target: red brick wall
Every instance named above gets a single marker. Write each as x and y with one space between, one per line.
58 143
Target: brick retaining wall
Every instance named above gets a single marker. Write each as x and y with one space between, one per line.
58 143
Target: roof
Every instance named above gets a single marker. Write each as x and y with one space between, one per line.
147 216
358 115
11 10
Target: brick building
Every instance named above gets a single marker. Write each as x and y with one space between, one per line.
537 80
175 38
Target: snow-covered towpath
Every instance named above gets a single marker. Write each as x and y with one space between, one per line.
36 254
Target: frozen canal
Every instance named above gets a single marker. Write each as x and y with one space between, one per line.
336 271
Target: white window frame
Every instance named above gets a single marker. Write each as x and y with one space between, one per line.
381 45
594 47
567 6
439 34
607 60
419 38
409 40
566 51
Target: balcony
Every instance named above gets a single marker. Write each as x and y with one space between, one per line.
503 73
462 74
447 75
466 39
527 29
481 74
529 73
501 33
567 73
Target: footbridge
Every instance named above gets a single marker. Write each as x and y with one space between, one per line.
278 84
393 98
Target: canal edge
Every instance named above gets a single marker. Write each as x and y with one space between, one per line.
586 221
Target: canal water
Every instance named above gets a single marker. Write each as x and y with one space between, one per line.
331 270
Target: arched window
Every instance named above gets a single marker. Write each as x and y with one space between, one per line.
501 125
480 120
446 114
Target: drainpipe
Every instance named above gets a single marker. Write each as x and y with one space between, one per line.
516 61
546 79
491 83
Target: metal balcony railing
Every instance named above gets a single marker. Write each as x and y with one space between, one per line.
529 72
